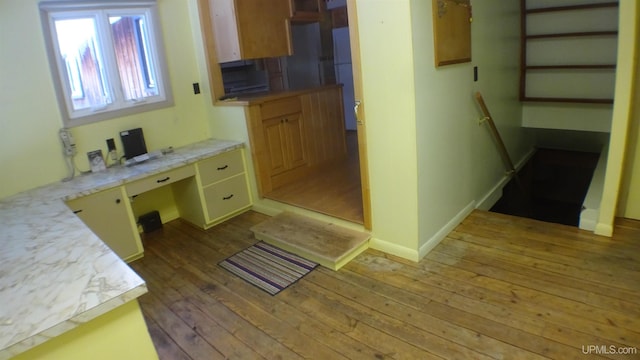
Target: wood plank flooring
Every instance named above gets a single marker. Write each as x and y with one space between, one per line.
336 191
498 287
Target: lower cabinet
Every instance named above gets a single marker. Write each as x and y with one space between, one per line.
108 214
284 139
218 191
226 197
295 135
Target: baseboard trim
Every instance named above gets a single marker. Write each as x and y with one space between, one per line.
445 230
604 229
492 197
394 249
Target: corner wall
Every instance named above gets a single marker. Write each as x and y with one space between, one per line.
458 161
622 114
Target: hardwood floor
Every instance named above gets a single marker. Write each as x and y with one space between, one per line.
336 191
498 287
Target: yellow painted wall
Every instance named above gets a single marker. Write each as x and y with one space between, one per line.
622 114
30 151
386 46
630 195
458 161
119 334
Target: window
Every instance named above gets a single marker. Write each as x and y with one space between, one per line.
106 58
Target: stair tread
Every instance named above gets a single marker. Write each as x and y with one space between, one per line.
311 237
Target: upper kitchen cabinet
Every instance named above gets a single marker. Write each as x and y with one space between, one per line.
249 29
305 11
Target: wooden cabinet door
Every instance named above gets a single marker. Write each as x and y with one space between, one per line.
264 28
292 128
275 143
250 29
108 214
284 141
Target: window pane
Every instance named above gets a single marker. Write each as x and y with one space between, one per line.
133 55
84 64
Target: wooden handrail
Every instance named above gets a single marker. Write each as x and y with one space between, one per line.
494 131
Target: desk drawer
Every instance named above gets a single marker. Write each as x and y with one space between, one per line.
226 197
220 167
158 180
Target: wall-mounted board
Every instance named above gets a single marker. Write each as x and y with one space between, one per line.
452 31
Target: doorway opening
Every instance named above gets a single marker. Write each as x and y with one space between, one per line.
551 187
336 190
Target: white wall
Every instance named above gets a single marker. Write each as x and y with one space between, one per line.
458 162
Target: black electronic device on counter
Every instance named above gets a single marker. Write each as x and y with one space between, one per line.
133 143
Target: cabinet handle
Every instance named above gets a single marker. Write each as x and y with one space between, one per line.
77 211
163 180
223 167
227 197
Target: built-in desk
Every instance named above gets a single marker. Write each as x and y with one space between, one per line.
57 275
206 190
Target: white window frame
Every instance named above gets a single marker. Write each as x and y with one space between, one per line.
54 10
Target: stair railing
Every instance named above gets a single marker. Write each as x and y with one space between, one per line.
511 170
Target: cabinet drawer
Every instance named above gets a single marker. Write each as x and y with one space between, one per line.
280 107
226 197
158 180
220 167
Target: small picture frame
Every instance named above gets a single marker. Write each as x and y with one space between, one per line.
96 161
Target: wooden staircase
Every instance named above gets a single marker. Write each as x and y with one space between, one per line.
328 244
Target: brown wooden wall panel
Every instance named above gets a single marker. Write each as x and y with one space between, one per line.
452 31
324 118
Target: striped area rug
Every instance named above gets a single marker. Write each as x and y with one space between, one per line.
267 267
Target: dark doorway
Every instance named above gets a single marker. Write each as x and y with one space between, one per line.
551 187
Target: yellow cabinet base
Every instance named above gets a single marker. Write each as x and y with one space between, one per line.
119 334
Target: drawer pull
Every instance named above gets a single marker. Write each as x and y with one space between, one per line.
223 168
227 197
163 180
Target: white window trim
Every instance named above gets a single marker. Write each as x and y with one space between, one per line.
58 68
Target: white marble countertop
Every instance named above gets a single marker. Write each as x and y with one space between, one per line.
55 274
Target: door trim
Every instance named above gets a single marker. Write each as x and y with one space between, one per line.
360 112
